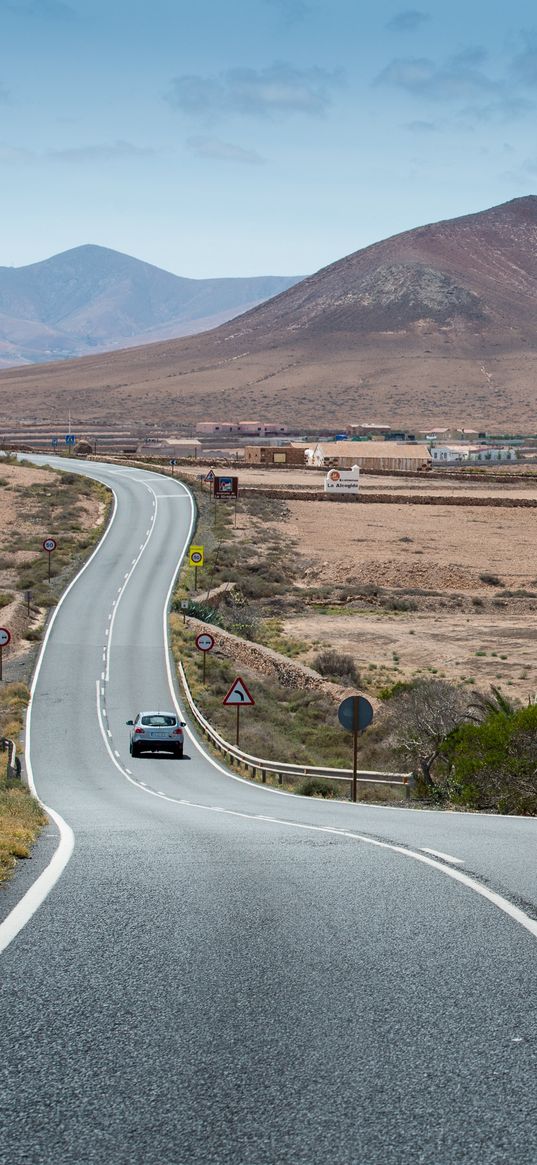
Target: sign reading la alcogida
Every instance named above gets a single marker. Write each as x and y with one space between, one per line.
342 480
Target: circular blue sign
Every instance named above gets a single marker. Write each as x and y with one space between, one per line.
355 713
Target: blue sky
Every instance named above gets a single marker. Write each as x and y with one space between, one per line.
257 136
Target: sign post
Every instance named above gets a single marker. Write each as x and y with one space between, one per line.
204 643
209 478
5 638
184 608
225 489
49 545
70 439
195 558
173 463
355 714
239 697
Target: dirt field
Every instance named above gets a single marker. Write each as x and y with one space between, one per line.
410 590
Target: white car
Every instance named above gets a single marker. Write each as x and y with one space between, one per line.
156 732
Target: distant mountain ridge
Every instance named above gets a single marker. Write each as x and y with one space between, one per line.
435 325
92 299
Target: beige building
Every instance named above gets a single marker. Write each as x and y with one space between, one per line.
169 447
385 455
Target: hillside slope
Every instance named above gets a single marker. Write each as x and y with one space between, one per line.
436 324
93 299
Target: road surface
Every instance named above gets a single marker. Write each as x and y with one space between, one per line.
227 975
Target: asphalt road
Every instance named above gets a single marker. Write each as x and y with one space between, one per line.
225 974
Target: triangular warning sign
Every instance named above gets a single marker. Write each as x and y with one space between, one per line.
238 694
209 476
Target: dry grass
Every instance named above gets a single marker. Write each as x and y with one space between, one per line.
21 816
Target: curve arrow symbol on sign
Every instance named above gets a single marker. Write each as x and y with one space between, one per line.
238 694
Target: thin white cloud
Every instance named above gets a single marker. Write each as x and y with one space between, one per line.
219 151
102 152
408 20
292 11
278 90
44 9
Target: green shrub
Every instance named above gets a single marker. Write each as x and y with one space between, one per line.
337 666
395 689
317 787
493 763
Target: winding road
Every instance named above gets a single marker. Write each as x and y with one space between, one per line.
223 974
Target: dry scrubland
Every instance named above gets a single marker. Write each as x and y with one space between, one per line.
406 590
34 504
37 504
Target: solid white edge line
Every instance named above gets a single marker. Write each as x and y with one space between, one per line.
497 900
437 853
35 896
502 904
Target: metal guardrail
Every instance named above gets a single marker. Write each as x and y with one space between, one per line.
258 765
13 762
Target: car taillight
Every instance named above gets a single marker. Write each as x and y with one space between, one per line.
177 732
138 732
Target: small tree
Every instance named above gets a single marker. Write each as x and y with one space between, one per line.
494 763
422 718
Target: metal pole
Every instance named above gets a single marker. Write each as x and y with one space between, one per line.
355 723
204 658
195 578
237 736
1 653
49 565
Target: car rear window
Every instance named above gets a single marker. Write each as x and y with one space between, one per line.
159 721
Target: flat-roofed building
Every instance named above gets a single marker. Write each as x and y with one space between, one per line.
381 455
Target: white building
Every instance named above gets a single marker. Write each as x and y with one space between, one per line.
454 454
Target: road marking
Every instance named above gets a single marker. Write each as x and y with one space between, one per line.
437 853
39 891
102 676
107 632
127 577
117 754
110 616
503 904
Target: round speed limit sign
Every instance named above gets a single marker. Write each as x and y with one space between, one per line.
49 545
5 636
204 642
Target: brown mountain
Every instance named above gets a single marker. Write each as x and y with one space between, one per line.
438 323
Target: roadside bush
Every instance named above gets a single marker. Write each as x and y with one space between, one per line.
392 690
334 665
492 580
494 764
318 787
